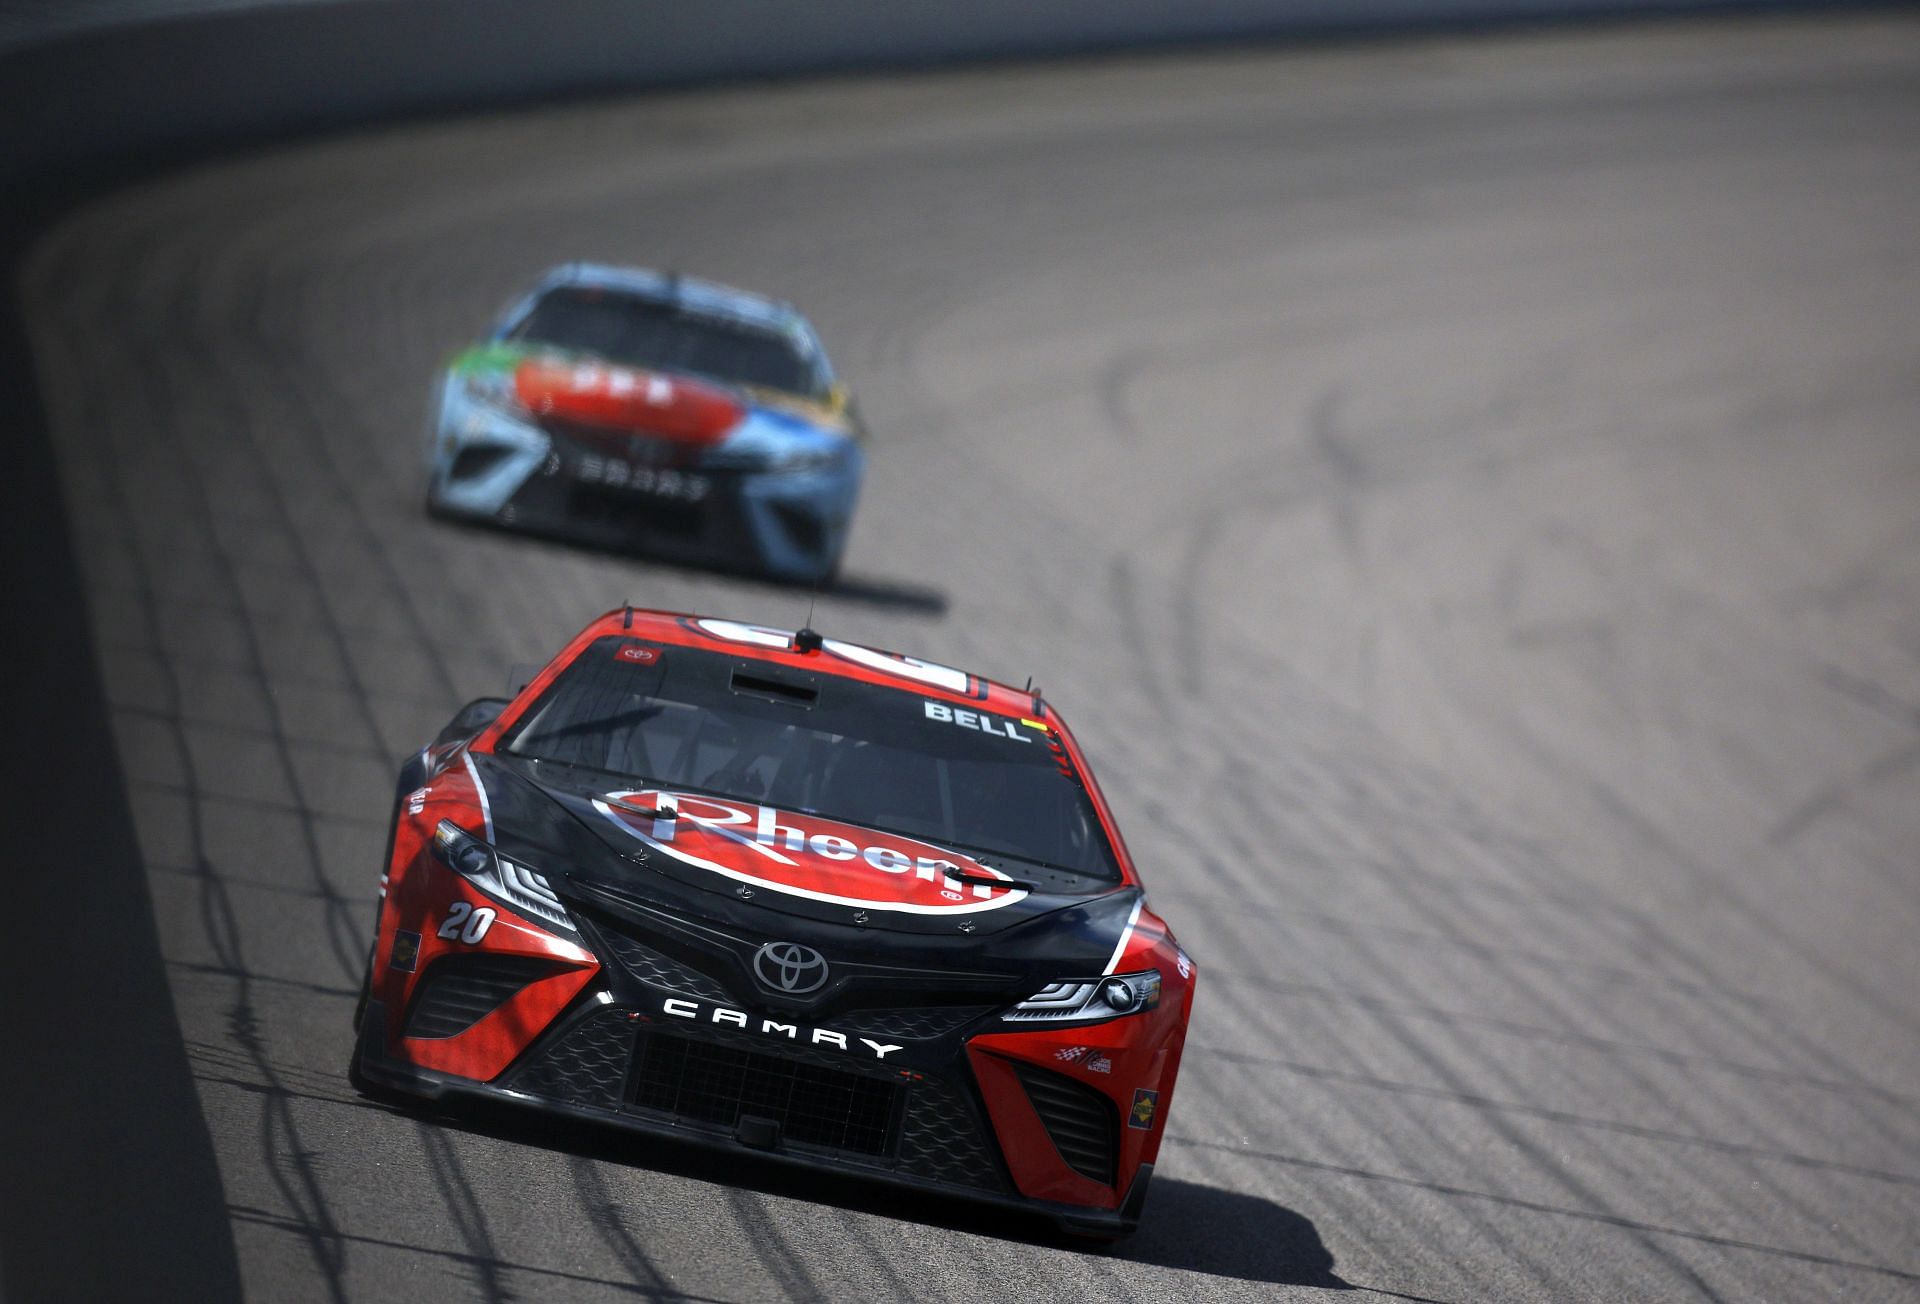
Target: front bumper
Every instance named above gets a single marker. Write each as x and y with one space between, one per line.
724 508
582 1069
653 1023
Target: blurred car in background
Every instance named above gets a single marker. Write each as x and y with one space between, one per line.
653 412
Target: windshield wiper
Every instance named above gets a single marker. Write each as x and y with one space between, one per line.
983 880
1031 860
662 813
580 765
566 764
648 812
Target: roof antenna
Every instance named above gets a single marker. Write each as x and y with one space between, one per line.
626 619
1038 708
806 638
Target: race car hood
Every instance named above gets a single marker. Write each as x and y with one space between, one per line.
627 400
739 864
590 395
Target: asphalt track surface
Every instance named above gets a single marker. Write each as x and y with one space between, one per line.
1466 495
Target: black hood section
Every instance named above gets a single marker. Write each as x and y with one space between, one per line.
621 892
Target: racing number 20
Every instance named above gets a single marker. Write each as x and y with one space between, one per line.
465 924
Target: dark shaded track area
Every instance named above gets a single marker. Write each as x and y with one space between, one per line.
1466 495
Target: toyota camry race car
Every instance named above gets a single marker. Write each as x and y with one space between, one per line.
657 413
779 894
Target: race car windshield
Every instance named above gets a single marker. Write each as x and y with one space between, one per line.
638 332
818 744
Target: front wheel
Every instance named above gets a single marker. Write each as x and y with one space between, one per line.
357 1071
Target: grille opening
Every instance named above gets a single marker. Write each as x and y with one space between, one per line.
476 460
1080 1120
919 1023
461 990
634 445
808 531
584 1064
714 1084
656 967
645 515
942 1138
779 690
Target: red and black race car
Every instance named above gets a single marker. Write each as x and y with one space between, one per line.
785 895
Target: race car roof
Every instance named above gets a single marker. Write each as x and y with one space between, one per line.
827 656
692 292
967 692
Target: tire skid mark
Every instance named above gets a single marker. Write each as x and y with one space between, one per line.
1123 594
1541 1272
1712 883
1585 1215
1420 1010
1320 923
1383 965
1473 1100
1761 1026
1645 831
1606 1043
1646 932
1541 1161
1384 1012
1588 1194
495 1267
1834 798
1539 904
1114 379
1322 1029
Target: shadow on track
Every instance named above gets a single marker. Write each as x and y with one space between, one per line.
1229 1234
100 1122
877 591
1187 1226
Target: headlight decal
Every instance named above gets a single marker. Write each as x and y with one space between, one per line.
492 388
513 885
1089 1000
1120 947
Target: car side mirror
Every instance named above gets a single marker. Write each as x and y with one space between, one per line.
471 719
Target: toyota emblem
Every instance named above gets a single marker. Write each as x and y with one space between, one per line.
790 967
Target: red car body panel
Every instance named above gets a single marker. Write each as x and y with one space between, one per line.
625 399
419 900
867 665
431 913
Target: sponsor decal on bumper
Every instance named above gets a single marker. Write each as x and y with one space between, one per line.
406 951
640 478
680 1008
